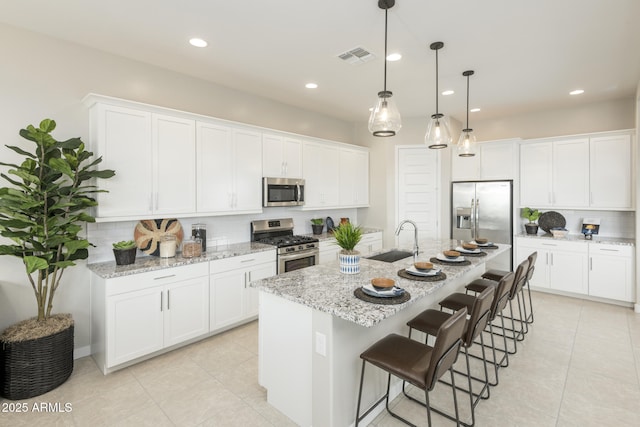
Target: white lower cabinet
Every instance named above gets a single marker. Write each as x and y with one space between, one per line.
133 316
611 271
232 300
329 251
594 269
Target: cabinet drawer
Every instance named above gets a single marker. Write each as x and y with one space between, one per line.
155 278
556 245
241 261
371 237
614 250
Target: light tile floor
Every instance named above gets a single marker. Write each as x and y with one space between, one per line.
578 366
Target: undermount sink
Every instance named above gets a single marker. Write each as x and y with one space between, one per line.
391 256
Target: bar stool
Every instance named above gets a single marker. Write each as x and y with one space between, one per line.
497 274
416 363
518 282
430 321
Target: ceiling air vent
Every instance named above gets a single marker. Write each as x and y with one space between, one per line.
357 55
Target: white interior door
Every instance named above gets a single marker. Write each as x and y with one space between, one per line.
418 192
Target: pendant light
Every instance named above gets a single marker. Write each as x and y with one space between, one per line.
385 117
467 141
438 135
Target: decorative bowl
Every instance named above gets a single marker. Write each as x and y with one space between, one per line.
559 232
382 283
423 265
470 246
451 254
481 240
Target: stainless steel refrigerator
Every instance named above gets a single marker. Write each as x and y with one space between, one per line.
484 209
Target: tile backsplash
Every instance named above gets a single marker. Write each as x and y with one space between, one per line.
221 230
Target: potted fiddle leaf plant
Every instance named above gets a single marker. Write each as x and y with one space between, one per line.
317 224
42 214
124 252
347 237
532 215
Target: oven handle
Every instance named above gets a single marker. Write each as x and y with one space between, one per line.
301 254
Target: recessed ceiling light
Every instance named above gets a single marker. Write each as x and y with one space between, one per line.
576 92
394 57
198 42
311 85
474 110
448 92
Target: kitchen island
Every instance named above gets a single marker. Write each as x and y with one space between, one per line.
312 330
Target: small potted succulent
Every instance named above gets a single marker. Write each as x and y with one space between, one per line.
317 224
532 215
125 252
347 237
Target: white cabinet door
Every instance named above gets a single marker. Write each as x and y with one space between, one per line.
281 156
370 242
498 160
186 310
215 167
328 251
568 271
465 168
321 173
227 298
611 180
251 299
247 175
536 174
571 173
524 248
354 178
174 161
122 137
611 271
134 325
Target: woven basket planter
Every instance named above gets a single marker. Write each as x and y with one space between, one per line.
33 367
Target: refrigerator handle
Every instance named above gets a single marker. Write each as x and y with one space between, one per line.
477 218
473 219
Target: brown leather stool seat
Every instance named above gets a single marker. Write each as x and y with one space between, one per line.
478 285
495 275
414 362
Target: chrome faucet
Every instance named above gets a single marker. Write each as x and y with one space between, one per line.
415 236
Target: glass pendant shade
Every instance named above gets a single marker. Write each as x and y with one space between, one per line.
385 117
438 134
467 143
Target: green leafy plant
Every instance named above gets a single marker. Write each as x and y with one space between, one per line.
531 214
317 221
124 244
347 236
43 210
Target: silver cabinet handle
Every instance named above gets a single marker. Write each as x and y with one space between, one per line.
610 250
164 277
168 299
248 260
590 263
161 300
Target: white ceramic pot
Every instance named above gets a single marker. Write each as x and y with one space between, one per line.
349 263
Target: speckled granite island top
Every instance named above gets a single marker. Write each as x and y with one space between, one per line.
324 288
109 270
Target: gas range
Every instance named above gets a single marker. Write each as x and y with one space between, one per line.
294 251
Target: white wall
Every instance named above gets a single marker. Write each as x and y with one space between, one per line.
45 78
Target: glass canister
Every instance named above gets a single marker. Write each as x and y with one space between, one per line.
192 248
200 231
168 245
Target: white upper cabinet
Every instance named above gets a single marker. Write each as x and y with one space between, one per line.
229 169
593 172
154 159
611 160
494 160
353 177
281 156
321 173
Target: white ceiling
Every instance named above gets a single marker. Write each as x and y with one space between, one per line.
527 54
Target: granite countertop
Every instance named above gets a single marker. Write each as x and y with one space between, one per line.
623 241
108 270
324 288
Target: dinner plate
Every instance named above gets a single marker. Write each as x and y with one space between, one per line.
441 257
468 251
425 273
483 244
394 292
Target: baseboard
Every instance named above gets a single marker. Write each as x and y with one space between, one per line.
81 352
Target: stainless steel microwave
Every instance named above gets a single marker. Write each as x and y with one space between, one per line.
282 192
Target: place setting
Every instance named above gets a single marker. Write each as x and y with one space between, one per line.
422 271
484 243
470 249
450 257
382 290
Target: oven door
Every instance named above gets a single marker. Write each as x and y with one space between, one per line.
298 260
282 192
